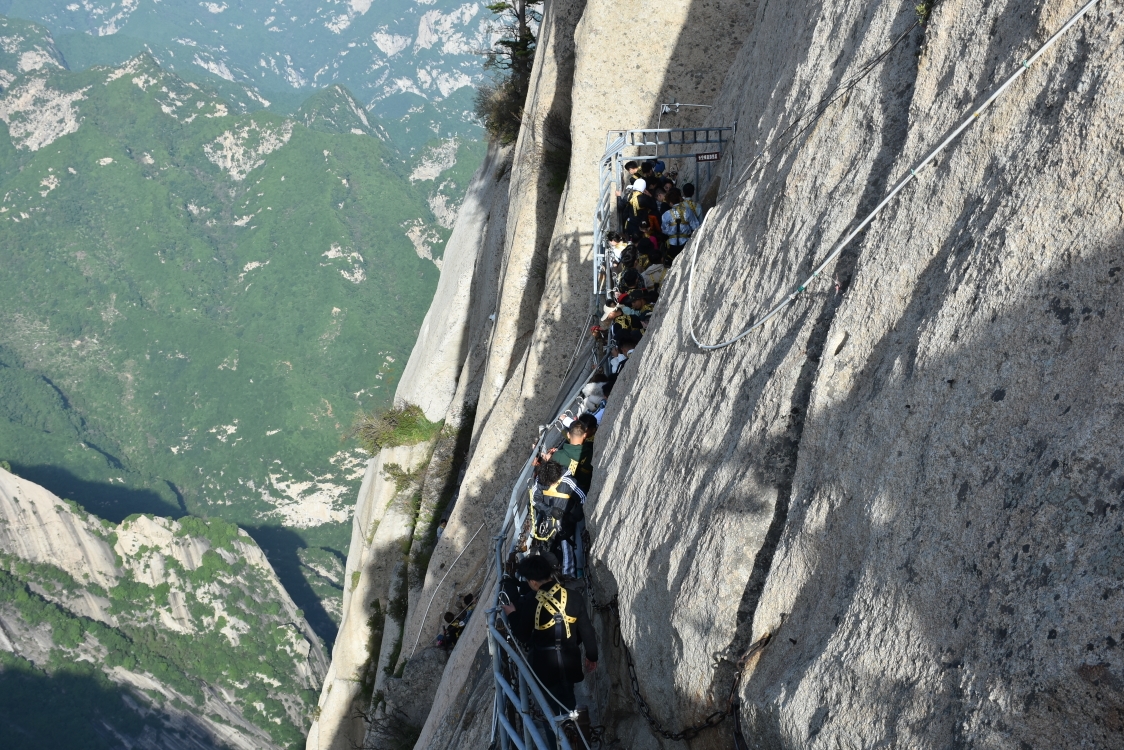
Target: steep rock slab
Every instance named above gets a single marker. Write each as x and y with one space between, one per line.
576 77
433 370
437 378
381 523
953 557
903 624
533 202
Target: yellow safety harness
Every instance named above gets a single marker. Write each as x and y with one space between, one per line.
634 201
550 492
679 212
556 608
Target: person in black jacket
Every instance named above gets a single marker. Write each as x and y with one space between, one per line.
553 622
556 506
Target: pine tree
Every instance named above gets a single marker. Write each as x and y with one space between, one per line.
500 104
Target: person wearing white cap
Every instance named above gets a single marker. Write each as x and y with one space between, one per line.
639 205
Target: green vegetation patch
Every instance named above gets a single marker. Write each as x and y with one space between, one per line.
189 320
393 427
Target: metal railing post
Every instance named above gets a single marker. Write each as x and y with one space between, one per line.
525 709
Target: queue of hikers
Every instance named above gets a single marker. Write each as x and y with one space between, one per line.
543 592
545 600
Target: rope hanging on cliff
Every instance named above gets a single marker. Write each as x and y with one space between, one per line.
839 247
437 588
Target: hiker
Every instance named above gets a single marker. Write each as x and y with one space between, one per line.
450 633
617 244
662 192
590 420
654 274
620 356
554 496
552 620
631 169
626 328
689 199
680 221
468 606
441 527
648 245
576 456
639 206
593 400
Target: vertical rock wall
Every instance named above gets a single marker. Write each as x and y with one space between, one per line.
908 477
437 377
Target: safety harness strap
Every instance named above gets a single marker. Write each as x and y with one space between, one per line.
555 607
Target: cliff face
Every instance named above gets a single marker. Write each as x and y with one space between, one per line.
909 477
908 480
394 521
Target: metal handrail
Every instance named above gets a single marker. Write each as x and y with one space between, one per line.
526 688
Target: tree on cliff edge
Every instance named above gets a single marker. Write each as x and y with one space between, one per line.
500 103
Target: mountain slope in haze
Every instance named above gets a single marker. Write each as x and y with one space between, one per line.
411 62
25 47
194 303
150 633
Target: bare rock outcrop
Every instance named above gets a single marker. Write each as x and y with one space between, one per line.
433 371
40 528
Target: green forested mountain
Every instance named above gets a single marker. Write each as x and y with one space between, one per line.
194 302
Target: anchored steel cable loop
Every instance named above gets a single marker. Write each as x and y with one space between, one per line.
905 180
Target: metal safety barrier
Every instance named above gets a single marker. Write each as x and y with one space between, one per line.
521 707
681 150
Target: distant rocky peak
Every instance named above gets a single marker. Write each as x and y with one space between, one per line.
336 110
177 98
25 47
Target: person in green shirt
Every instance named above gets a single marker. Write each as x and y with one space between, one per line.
576 454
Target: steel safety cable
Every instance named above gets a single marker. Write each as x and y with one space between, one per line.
438 588
908 178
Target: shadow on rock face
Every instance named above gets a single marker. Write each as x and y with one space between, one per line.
953 554
109 501
281 547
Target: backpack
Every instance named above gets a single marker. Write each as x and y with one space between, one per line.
679 212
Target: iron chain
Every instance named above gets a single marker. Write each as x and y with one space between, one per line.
694 730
